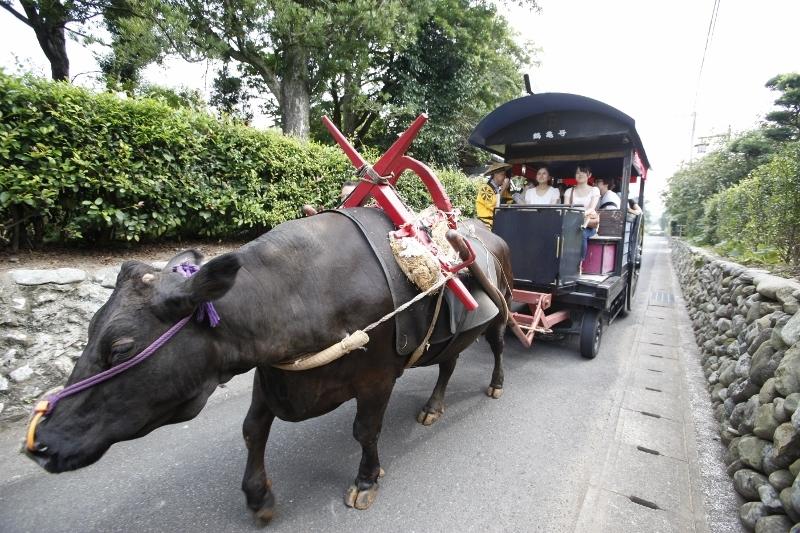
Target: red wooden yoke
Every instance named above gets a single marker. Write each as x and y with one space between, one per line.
378 181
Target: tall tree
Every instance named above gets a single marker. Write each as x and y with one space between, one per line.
134 44
230 95
307 51
786 121
49 20
293 46
461 63
690 188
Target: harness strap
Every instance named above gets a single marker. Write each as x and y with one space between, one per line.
360 338
424 345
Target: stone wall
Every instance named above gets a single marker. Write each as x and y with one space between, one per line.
44 319
747 325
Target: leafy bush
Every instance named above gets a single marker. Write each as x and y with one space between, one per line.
462 191
96 167
758 219
690 188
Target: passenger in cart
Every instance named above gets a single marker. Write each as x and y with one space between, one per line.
494 193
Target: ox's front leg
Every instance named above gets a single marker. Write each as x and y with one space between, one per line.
371 405
434 409
256 486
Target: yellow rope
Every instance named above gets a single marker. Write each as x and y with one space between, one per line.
359 338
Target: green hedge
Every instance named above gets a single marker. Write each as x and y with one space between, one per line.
95 167
758 219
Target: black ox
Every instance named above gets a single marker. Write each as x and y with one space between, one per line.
297 289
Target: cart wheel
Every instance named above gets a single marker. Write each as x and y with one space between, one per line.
630 290
591 331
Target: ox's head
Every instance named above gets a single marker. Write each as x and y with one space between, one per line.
170 386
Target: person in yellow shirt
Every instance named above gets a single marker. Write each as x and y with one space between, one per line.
494 192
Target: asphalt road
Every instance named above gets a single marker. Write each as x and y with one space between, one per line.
520 463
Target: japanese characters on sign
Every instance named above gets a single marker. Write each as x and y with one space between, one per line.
537 135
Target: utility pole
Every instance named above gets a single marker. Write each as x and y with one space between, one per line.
709 37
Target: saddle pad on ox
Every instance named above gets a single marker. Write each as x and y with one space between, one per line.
460 318
412 324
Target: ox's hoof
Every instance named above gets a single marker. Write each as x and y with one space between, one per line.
494 392
360 499
382 473
262 503
264 515
428 418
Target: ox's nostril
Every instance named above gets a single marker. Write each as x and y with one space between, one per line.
37 449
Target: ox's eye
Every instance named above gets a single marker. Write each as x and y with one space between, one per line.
120 349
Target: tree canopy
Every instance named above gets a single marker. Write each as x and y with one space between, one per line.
134 44
358 60
785 122
461 64
743 198
294 48
49 19
371 66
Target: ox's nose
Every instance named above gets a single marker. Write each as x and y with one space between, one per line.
38 452
34 449
38 448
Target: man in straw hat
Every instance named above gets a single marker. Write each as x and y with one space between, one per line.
494 192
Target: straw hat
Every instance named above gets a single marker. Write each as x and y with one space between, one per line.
494 167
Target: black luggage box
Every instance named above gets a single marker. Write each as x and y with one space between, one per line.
546 244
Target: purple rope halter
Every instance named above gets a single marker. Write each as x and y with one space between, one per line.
205 309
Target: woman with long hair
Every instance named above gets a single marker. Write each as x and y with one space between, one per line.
539 193
586 196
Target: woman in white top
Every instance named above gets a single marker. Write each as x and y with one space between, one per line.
586 196
541 193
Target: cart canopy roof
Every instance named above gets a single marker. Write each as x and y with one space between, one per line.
559 127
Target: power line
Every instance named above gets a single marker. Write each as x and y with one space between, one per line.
712 24
709 36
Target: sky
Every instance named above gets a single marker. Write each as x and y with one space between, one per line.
643 57
640 56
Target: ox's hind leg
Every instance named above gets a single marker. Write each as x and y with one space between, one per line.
257 488
434 409
494 336
371 404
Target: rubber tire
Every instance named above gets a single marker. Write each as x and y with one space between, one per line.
591 333
630 290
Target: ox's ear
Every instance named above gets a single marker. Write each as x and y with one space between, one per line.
131 270
176 297
187 256
214 279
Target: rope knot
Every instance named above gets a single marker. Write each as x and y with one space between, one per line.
206 308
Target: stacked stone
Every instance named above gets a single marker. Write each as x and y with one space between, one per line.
747 325
44 318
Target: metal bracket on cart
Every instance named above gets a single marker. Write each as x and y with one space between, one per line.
525 327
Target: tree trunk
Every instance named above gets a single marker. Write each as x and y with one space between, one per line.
295 97
54 44
48 21
348 113
295 104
